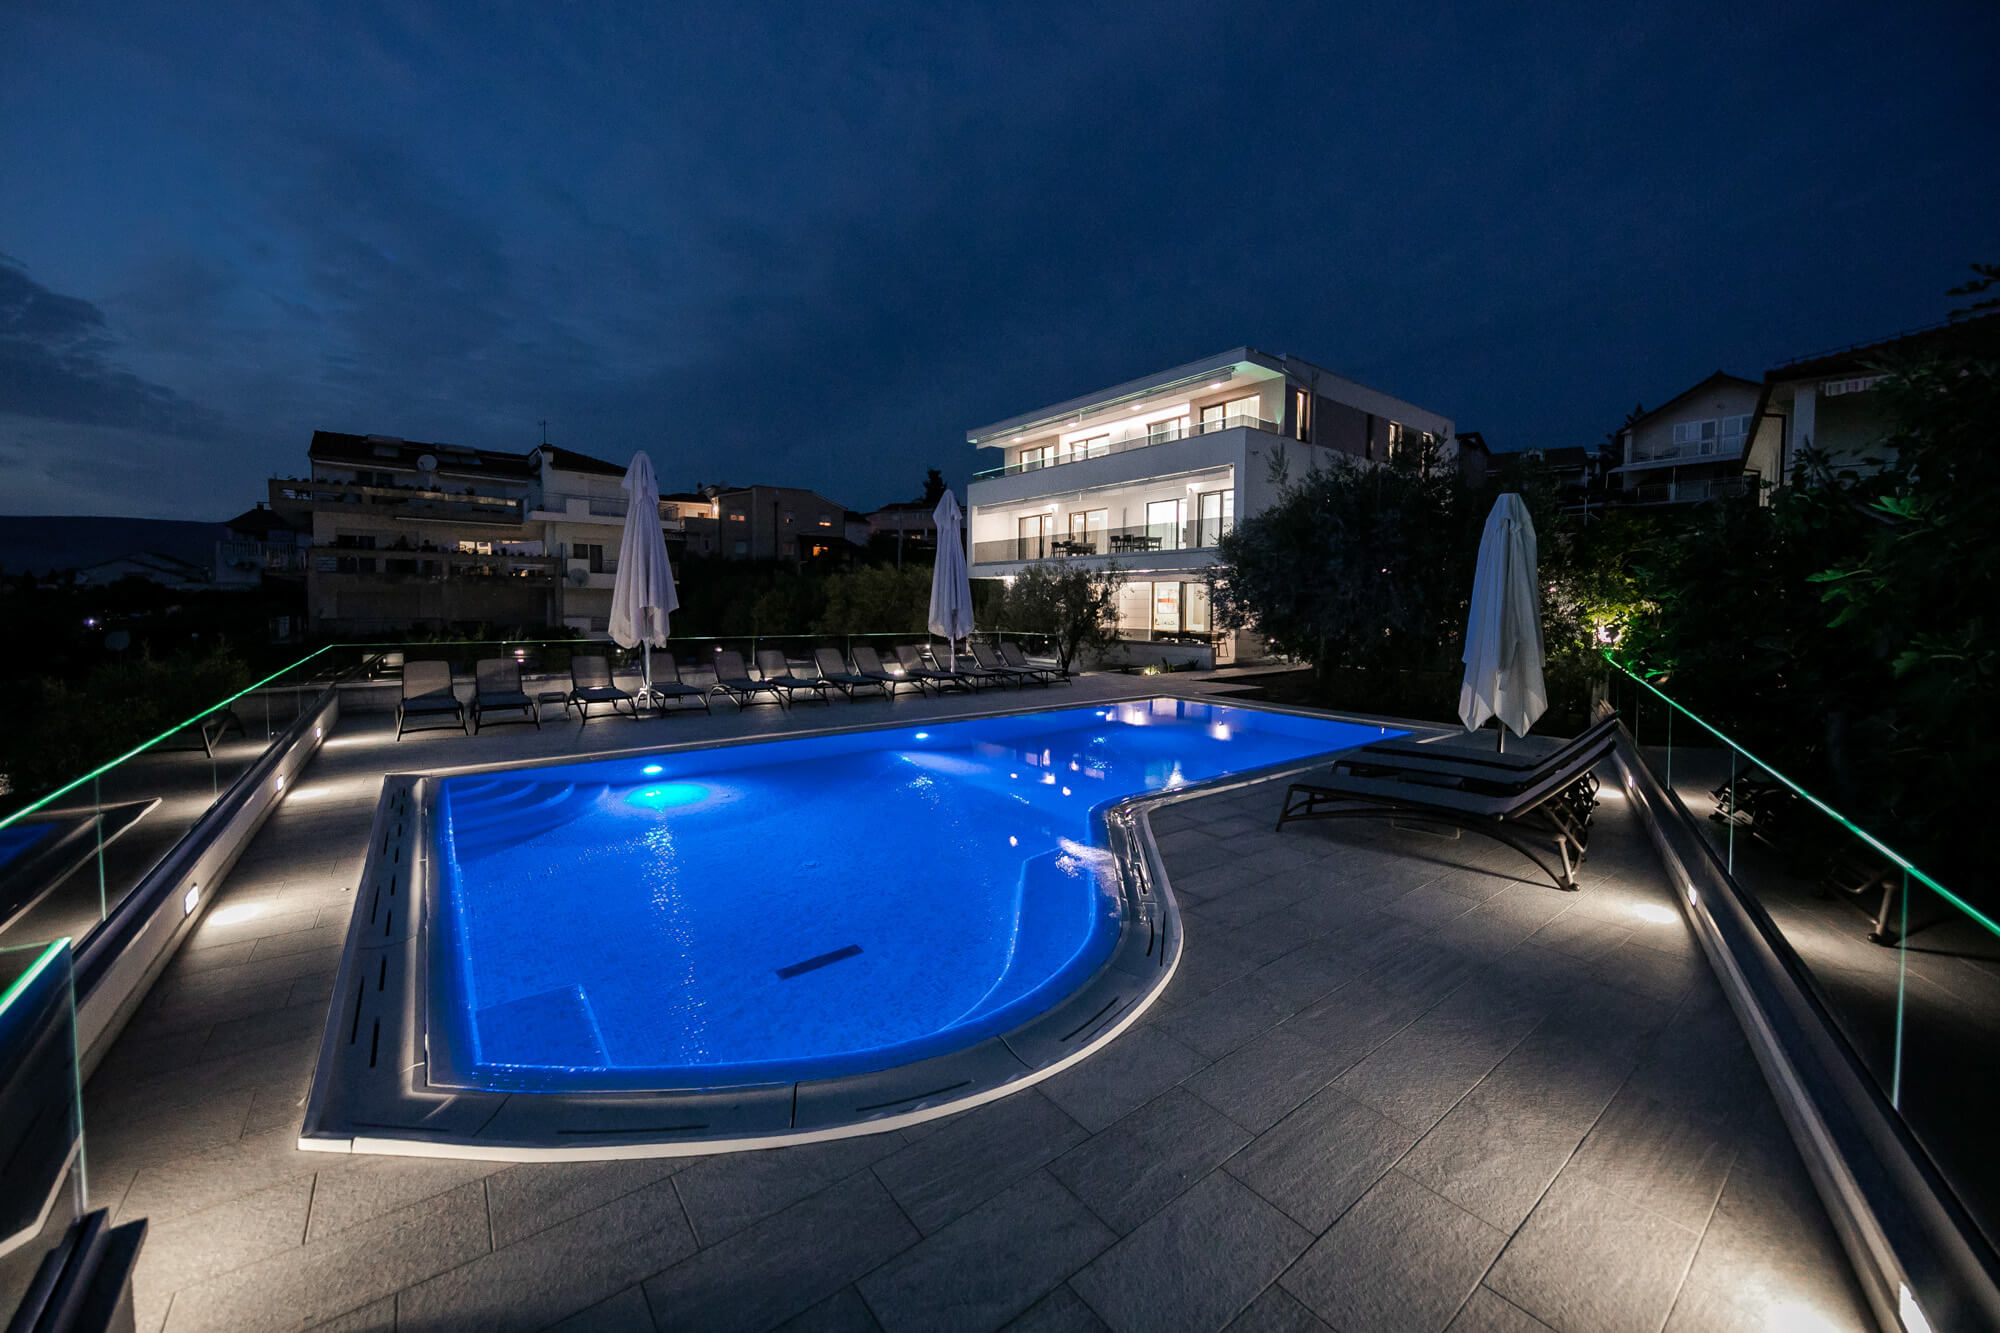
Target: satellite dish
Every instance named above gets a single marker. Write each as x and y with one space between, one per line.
579 575
427 463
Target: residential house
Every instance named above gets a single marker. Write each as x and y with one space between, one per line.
1475 459
780 523
1691 448
1150 474
1828 401
259 542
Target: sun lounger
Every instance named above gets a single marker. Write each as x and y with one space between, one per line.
1011 654
773 666
733 679
915 665
498 690
868 662
835 672
1487 770
427 693
987 658
590 683
1526 811
667 684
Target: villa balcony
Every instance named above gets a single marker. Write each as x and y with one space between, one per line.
1151 539
1142 439
400 502
1690 492
558 507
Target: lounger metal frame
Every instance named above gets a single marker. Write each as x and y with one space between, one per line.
742 690
845 680
486 699
434 702
583 696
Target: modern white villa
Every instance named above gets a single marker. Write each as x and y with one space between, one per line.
1149 474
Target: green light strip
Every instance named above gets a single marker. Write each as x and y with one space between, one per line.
1822 806
26 979
110 764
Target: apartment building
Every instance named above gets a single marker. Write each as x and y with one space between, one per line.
580 503
1150 474
396 533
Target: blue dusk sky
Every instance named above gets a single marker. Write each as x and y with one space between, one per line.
813 244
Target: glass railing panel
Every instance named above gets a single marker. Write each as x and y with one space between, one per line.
1140 440
70 851
1907 969
1143 539
43 1176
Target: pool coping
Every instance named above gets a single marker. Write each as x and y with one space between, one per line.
368 1099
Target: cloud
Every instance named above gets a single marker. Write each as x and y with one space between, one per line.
56 365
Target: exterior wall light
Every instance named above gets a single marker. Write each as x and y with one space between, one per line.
191 900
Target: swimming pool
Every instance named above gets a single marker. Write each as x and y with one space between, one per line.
800 909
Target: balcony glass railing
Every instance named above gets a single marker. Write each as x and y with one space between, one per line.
1197 534
1691 492
1161 434
1906 969
1689 451
412 501
558 503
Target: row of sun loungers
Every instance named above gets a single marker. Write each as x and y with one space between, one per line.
429 701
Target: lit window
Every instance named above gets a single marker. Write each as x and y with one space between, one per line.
735 516
1395 438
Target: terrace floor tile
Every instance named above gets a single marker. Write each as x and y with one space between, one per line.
950 1281
1196 1265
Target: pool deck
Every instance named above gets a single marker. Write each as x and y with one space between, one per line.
1395 1084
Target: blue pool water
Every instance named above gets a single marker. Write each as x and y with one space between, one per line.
800 908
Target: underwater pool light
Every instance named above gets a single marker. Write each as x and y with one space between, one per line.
650 769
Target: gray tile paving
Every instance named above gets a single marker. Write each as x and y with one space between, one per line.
1061 1311
1322 1157
936 1179
557 1272
786 1263
991 1264
1402 1260
1342 1111
1589 1259
1196 1264
1149 1158
1276 1311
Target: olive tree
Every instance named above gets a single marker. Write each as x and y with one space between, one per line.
1075 605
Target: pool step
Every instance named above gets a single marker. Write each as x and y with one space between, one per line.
479 829
522 802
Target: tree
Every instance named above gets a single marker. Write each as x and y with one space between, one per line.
1074 605
1355 565
934 487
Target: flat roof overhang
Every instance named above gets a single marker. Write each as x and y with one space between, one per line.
1245 363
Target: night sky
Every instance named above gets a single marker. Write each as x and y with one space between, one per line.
812 245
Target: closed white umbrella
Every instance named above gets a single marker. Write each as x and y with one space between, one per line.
644 591
951 585
1503 635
